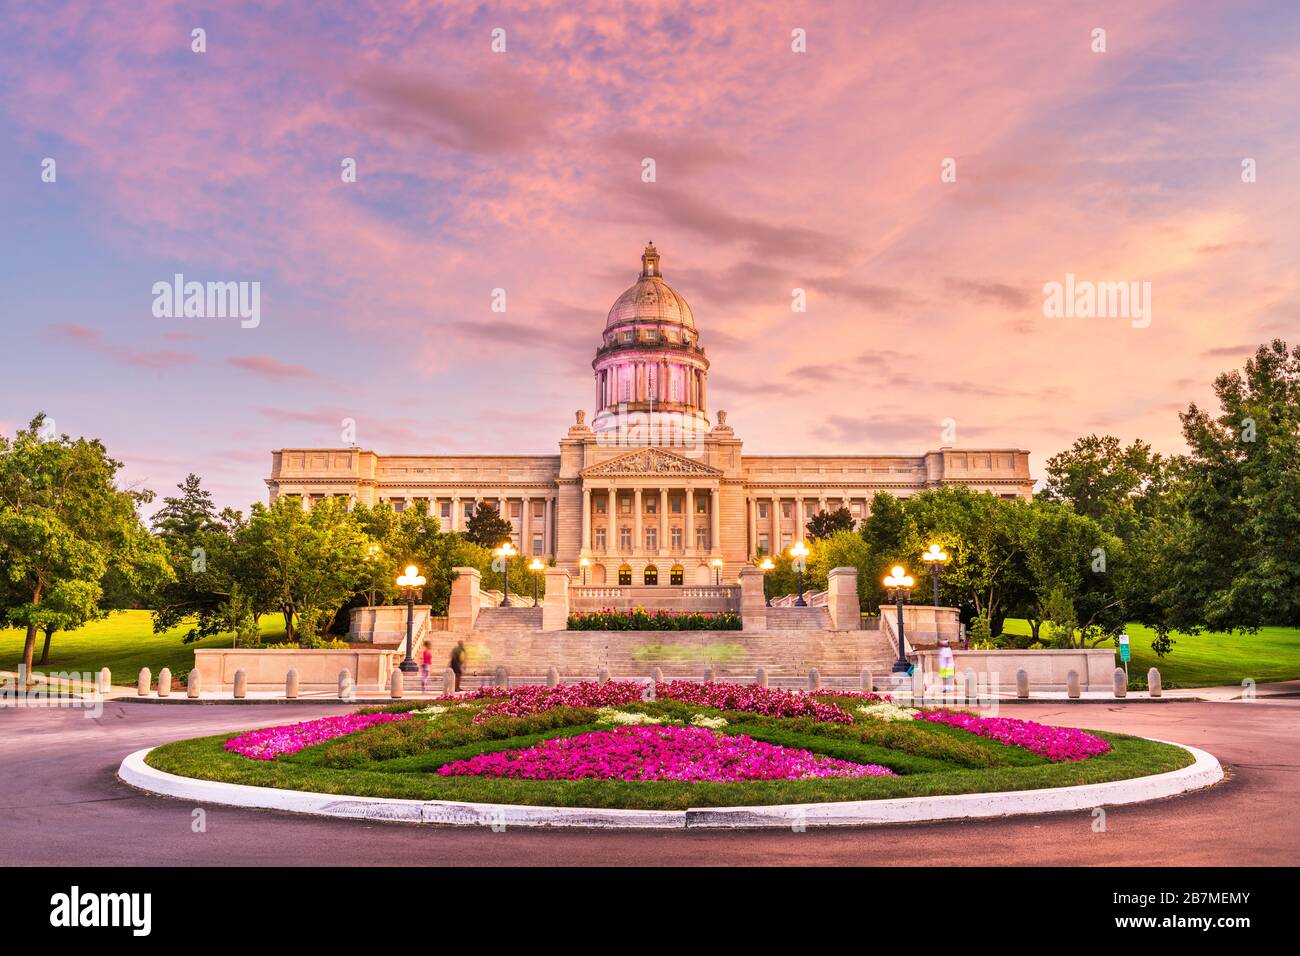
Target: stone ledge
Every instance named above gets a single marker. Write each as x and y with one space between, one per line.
1205 771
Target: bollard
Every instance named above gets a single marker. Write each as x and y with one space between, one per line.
657 675
395 684
241 685
165 682
448 681
291 684
651 692
192 684
142 683
105 680
918 685
1072 684
1153 682
345 684
972 687
1121 682
814 680
708 674
552 677
602 676
760 677
867 682
501 677
1022 684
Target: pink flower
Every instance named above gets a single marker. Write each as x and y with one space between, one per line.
272 742
1054 743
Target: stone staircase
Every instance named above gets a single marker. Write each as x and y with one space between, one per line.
790 618
509 619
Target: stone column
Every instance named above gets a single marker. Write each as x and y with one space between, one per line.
663 520
751 526
638 545
555 604
715 520
463 606
547 513
690 520
842 599
753 606
776 525
453 523
525 542
586 520
798 519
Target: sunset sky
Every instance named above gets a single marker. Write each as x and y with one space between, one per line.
522 170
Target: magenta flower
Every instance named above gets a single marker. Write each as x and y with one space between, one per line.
1054 743
690 754
272 742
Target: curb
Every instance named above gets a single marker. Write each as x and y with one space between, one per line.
1205 771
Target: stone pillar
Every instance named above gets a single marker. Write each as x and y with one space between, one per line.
454 523
799 520
842 599
142 682
663 520
525 539
586 520
165 682
753 606
638 543
555 602
463 606
751 525
192 684
291 684
1120 679
690 520
547 511
776 526
715 520
240 690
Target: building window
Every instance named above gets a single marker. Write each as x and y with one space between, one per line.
702 539
652 505
651 574
625 575
652 539
762 509
600 504
787 509
675 504
763 541
515 509
600 539
625 505
785 542
625 539
469 509
702 505
676 539
677 576
445 509
539 509
537 544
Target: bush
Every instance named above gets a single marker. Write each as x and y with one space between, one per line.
639 619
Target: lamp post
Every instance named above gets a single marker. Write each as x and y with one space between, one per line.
899 584
798 552
537 568
936 558
717 571
410 585
584 563
765 566
505 553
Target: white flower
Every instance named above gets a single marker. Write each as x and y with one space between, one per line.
887 712
713 723
433 710
611 715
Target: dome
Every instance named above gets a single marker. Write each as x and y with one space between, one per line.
650 299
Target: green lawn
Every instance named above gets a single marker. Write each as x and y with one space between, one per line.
124 643
1209 659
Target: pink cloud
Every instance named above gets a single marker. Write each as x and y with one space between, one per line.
270 367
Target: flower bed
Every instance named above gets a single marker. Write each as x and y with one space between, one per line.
1054 743
272 742
639 619
690 754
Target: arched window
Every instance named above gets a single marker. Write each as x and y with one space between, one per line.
651 574
625 574
677 576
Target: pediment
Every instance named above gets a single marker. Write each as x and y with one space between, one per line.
650 461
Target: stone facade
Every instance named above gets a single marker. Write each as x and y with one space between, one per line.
648 493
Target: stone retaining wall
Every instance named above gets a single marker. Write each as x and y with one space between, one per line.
1047 669
371 668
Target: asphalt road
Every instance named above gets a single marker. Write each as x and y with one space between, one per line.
61 804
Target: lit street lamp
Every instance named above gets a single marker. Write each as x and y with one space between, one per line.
765 566
372 555
537 568
798 552
584 563
717 571
410 585
505 553
899 584
935 558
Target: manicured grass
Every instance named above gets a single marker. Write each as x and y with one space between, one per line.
124 642
924 769
1209 659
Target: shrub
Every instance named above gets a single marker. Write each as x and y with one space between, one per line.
639 619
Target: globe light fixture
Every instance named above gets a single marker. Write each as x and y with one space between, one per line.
936 558
717 571
765 566
899 583
505 553
537 568
584 563
409 585
798 555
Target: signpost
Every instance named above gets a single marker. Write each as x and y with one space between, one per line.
1124 653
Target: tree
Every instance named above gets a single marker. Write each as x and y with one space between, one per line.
71 542
486 527
826 523
1115 486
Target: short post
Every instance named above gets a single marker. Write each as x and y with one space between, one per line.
241 685
291 684
142 683
345 684
395 684
971 683
814 680
165 682
192 684
760 677
106 679
651 692
602 676
918 684
1072 685
1121 682
501 677
708 674
552 677
657 675
1022 684
1153 682
448 681
866 681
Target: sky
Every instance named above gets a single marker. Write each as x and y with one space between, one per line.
921 170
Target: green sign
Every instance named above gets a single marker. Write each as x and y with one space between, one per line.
1123 648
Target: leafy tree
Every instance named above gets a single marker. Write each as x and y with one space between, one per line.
71 542
826 523
486 527
1115 486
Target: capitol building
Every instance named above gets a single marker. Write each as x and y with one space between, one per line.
653 490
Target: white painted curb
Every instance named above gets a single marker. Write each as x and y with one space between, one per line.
1204 772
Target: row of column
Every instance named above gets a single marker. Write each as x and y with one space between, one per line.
659 374
638 532
524 526
774 518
